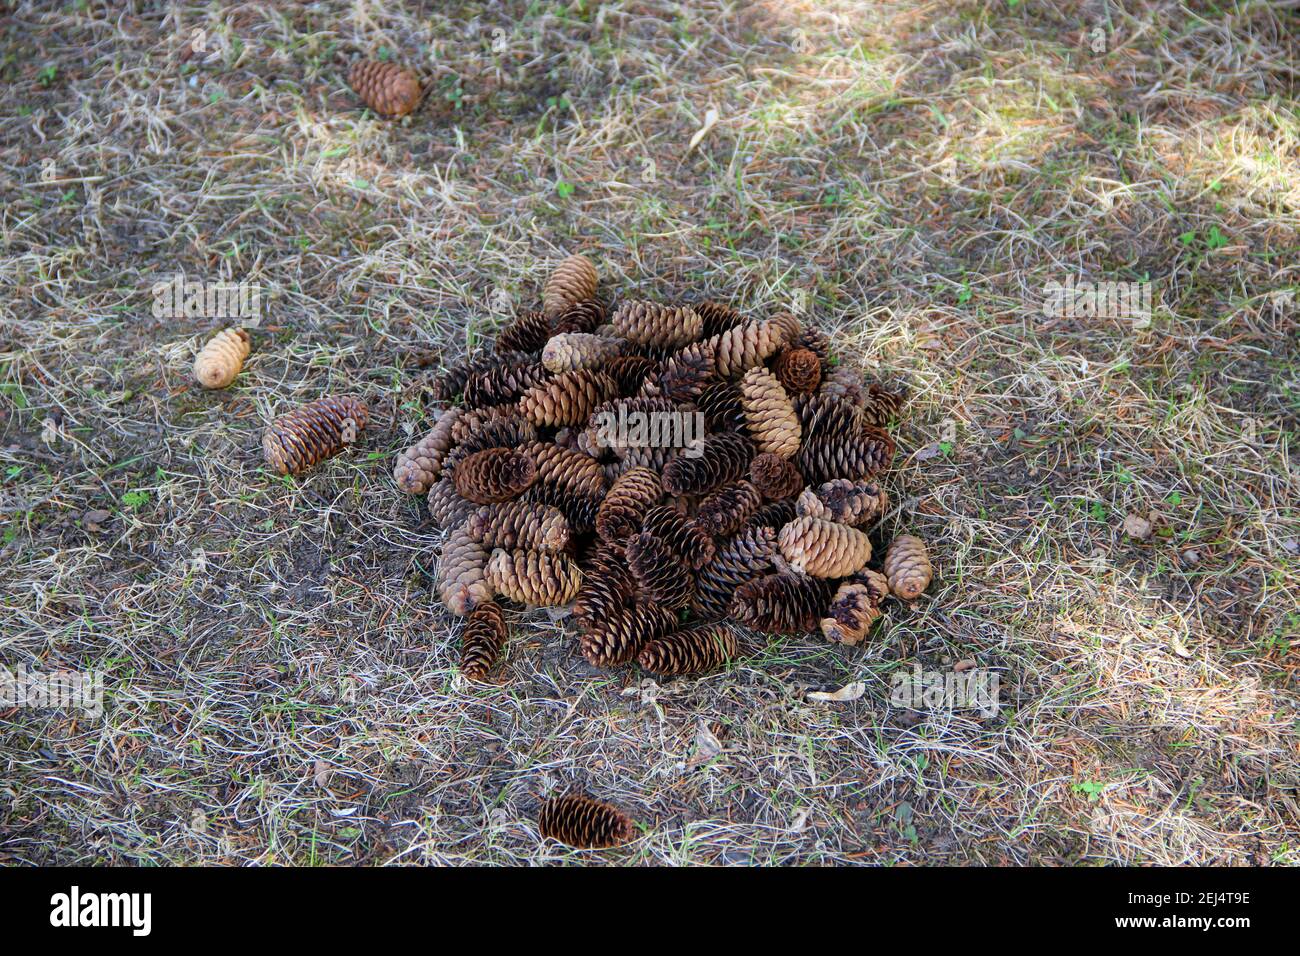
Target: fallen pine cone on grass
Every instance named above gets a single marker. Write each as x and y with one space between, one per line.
386 88
307 435
220 360
584 823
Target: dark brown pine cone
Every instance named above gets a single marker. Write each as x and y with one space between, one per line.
584 823
683 536
717 318
685 374
692 650
880 407
725 458
661 575
773 514
855 455
574 280
565 469
450 382
504 429
742 558
775 477
782 603
816 341
495 474
633 493
482 640
727 509
567 399
618 637
585 316
723 408
310 433
607 586
503 385
577 507
387 88
798 370
630 372
527 333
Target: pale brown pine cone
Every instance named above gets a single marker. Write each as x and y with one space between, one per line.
535 578
566 470
446 507
823 549
418 467
907 565
524 525
567 399
769 416
220 360
387 88
462 583
574 350
656 326
574 280
744 346
855 503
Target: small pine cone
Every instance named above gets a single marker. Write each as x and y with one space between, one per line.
566 399
815 341
880 407
462 582
633 493
774 514
446 507
585 316
450 382
854 503
852 613
418 467
574 280
823 549
630 372
726 510
657 326
220 360
798 370
907 565
503 385
574 350
386 88
313 432
717 318
536 578
744 346
685 375
584 823
659 573
782 603
845 383
722 407
691 650
495 474
744 557
724 459
578 508
566 470
607 586
619 637
527 333
483 428
482 640
520 524
769 416
683 536
775 477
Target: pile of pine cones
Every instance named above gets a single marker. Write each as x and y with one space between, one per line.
763 521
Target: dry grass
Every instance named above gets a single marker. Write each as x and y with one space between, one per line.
280 683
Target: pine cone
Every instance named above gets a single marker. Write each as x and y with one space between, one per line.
220 360
722 407
726 510
815 341
313 432
446 507
574 280
386 88
566 399
482 640
659 573
775 477
684 537
495 474
880 407
579 508
798 370
837 445
418 467
657 326
574 350
774 514
854 503
527 333
810 506
496 426
585 316
462 584
843 383
638 422
584 823
853 610
618 637
633 494
692 650
630 372
524 525
717 318
536 578
744 346
607 586
769 416
782 603
566 470
907 565
823 549
685 374
503 385
744 557
725 458
450 382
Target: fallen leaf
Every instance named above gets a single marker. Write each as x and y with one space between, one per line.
322 773
847 692
800 822
1135 526
964 664
928 452
707 746
94 520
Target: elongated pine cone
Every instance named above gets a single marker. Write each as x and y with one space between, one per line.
607 586
742 558
503 385
529 332
691 650
566 470
722 407
782 603
446 507
630 372
836 443
775 477
387 88
519 524
220 360
683 536
581 822
798 370
855 503
574 350
685 374
853 611
462 582
310 433
907 565
660 573
418 467
482 640
727 509
579 508
633 493
657 326
744 346
717 318
574 280
639 422
450 382
618 638
724 459
504 429
493 475
823 549
769 416
537 578
567 399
